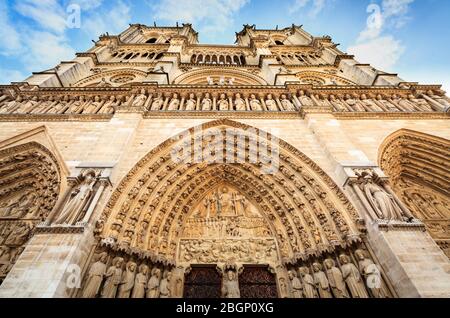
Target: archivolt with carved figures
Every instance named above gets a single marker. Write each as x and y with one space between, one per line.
418 165
29 189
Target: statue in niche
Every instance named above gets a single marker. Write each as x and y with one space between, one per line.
139 100
239 103
191 103
286 103
383 203
402 103
371 273
370 104
174 103
305 100
79 198
387 104
207 103
352 278
58 107
127 282
12 105
27 107
335 279
46 102
338 104
113 278
255 104
5 259
354 103
440 99
153 283
321 281
19 208
230 286
223 103
19 234
95 277
271 103
93 107
157 103
296 285
309 287
76 106
420 103
140 282
108 107
164 286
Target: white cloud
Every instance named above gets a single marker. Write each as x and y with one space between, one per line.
7 76
316 6
49 14
10 39
215 15
373 46
46 50
115 20
382 52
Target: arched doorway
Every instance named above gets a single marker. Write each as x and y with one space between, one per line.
239 200
418 166
29 187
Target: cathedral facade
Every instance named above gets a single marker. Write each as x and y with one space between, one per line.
152 166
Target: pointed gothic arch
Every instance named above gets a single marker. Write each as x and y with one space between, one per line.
418 166
306 211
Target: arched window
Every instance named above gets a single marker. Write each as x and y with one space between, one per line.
200 59
229 60
152 40
208 59
221 59
278 42
236 60
160 55
214 59
242 60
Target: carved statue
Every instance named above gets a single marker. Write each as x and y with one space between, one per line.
309 287
140 99
46 103
12 105
108 107
174 102
371 273
255 104
296 285
207 102
335 279
95 277
352 278
286 103
127 282
354 103
191 103
153 284
420 103
19 234
230 286
388 105
27 107
321 281
157 103
223 102
113 278
164 287
271 103
383 203
338 104
305 100
403 104
140 282
78 200
76 106
440 99
370 104
239 103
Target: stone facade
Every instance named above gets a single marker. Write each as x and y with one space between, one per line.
151 160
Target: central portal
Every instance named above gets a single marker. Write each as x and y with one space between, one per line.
227 232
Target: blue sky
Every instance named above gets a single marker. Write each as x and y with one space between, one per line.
408 37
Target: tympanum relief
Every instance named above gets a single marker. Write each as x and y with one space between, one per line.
226 226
